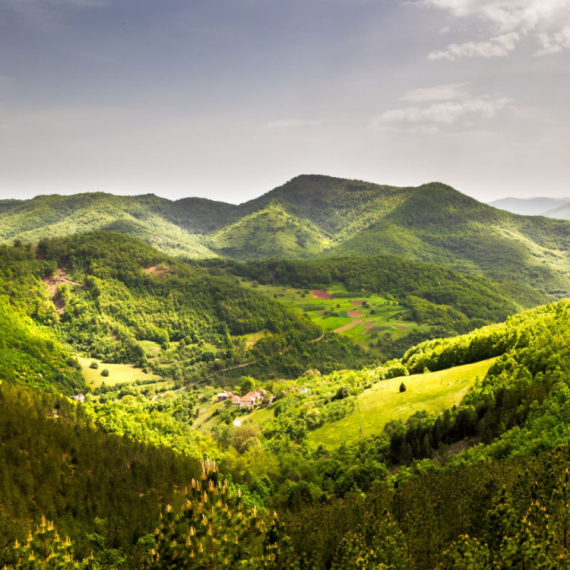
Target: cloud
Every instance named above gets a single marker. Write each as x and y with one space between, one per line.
288 124
459 111
437 93
507 23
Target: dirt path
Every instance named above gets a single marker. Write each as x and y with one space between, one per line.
349 326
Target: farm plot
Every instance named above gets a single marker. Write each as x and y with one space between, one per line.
359 317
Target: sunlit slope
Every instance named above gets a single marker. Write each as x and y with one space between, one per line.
270 232
152 219
433 392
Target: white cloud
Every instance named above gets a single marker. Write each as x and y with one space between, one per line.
437 93
507 24
459 111
288 124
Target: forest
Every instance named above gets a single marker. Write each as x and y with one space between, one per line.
466 469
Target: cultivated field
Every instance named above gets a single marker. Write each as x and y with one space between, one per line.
361 318
433 392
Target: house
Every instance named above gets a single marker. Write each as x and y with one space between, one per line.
248 401
79 398
223 396
235 399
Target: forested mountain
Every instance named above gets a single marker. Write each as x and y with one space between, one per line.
315 216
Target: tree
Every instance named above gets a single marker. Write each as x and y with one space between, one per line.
44 549
247 384
402 387
213 529
105 373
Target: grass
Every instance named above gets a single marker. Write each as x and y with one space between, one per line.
389 316
150 347
433 392
118 373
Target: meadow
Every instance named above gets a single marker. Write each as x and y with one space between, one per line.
118 373
433 392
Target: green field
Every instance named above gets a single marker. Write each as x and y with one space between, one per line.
381 317
118 373
432 392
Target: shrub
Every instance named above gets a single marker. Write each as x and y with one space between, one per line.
94 365
402 387
105 373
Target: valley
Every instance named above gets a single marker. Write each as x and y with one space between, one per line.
315 382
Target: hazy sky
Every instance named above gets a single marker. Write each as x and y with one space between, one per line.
227 99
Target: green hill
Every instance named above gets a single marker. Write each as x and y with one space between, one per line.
319 216
114 298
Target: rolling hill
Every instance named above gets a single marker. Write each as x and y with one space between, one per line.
530 206
319 216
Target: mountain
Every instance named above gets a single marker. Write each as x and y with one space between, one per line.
319 216
559 213
530 206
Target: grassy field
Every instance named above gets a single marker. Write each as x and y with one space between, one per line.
433 392
118 373
350 316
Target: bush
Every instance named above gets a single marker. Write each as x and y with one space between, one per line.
94 365
105 373
402 387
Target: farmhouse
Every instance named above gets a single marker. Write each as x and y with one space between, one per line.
79 398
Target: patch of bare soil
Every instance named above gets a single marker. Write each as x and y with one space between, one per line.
154 270
401 327
357 303
320 294
52 283
354 314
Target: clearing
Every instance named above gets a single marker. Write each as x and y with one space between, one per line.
433 392
118 373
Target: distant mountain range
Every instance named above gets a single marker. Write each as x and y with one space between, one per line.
551 207
319 216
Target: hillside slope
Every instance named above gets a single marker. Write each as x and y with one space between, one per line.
312 216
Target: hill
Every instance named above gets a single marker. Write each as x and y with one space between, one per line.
529 206
319 216
560 213
115 299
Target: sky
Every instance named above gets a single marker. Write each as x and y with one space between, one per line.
227 99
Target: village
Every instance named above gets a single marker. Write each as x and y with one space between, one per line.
254 399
